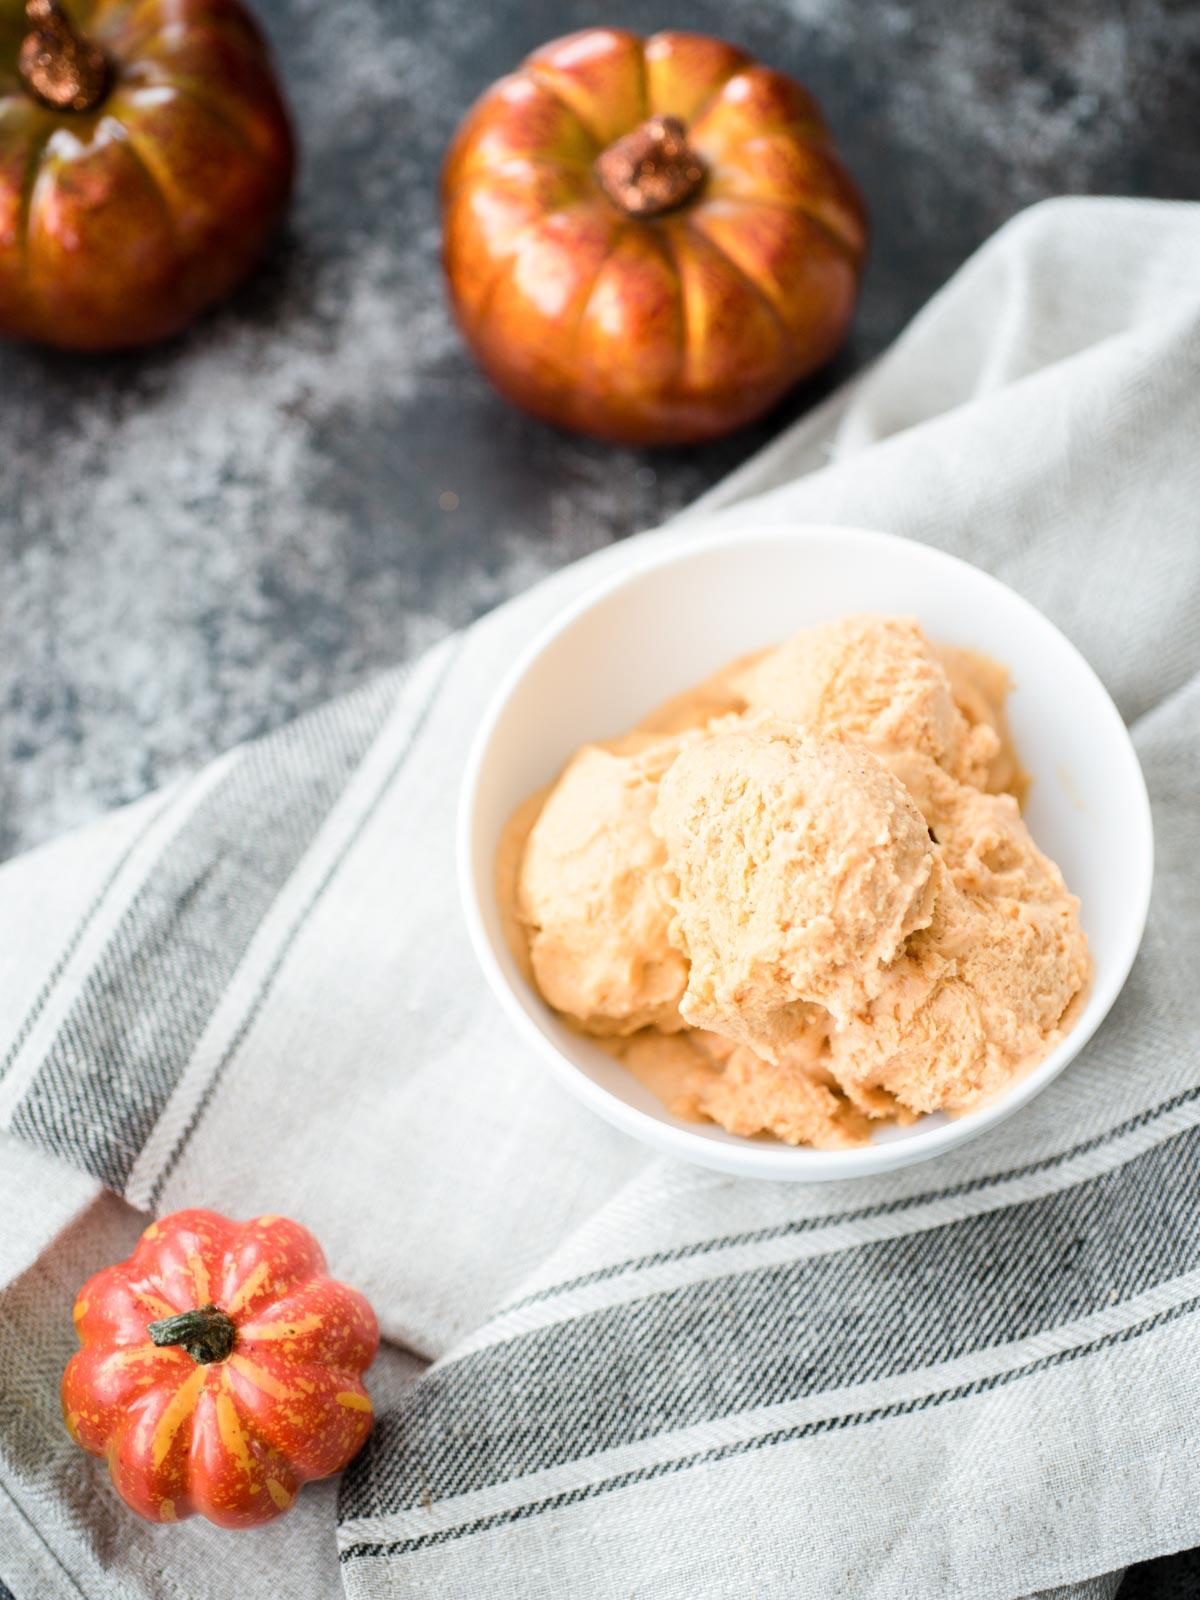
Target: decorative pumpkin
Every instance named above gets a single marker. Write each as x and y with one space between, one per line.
649 239
145 160
220 1369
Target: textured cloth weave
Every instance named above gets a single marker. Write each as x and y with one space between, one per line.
605 1374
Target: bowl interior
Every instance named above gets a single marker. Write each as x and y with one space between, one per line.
672 620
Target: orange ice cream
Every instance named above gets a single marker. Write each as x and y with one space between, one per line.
802 900
879 680
800 866
594 896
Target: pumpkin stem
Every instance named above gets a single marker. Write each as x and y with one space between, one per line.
57 65
651 170
206 1333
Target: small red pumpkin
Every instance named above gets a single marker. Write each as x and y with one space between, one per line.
220 1369
649 239
146 159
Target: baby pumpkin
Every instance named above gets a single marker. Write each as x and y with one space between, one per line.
649 239
221 1368
146 158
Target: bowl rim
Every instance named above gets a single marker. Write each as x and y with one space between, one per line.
749 1157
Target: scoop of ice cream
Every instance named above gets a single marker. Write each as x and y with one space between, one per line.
982 992
877 679
800 866
594 895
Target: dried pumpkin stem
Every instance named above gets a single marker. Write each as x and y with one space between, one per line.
207 1334
651 170
57 64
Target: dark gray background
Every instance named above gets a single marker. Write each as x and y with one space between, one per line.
200 542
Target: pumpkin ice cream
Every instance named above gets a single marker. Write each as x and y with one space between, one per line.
815 910
800 866
877 679
594 896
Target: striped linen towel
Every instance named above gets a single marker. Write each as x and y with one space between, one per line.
605 1374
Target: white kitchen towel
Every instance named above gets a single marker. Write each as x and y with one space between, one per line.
608 1375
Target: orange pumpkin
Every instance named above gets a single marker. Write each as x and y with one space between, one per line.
145 160
649 239
220 1369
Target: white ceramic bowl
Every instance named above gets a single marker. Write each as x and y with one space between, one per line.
674 616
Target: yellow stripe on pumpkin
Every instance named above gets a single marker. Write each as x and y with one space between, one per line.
156 1305
233 1435
199 1276
260 1378
177 1411
279 1494
249 1288
283 1330
132 1355
352 1401
166 1511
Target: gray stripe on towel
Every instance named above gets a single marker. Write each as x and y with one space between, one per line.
668 1465
765 1336
125 1043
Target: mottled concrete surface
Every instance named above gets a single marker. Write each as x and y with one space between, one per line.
199 543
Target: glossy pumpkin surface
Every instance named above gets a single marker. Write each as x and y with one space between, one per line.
121 222
595 310
231 1431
